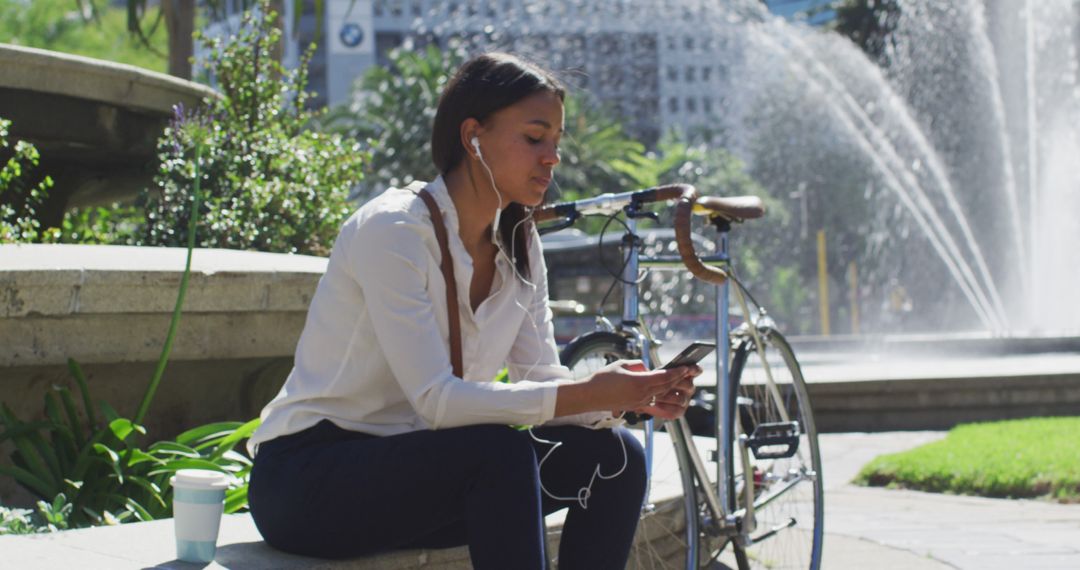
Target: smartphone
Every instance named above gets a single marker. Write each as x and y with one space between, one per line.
691 354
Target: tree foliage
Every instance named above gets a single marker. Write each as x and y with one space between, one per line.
98 30
391 112
868 23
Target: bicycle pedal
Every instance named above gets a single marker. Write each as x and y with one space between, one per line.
775 440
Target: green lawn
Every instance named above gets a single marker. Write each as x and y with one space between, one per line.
1037 457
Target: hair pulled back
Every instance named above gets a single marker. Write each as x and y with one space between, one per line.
482 86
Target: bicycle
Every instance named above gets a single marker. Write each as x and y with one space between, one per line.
765 496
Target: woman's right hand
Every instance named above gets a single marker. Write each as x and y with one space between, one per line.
624 385
628 385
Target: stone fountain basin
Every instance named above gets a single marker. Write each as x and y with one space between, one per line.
95 122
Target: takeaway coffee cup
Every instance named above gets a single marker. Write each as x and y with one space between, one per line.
198 502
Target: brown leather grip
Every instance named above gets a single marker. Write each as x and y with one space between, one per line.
447 265
684 210
672 191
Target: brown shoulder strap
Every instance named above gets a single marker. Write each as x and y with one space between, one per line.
447 266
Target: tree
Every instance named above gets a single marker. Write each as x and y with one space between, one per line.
54 25
393 108
179 17
391 114
868 23
594 143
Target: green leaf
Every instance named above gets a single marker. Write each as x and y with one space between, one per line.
236 499
122 428
139 511
86 457
33 451
108 411
28 479
153 489
196 435
114 460
173 448
72 416
177 464
242 432
52 408
64 444
137 456
21 429
84 390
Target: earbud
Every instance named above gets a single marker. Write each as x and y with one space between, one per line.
476 145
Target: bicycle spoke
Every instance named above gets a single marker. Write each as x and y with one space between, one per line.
787 489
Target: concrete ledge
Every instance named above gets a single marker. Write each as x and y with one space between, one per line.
113 303
939 344
940 403
151 544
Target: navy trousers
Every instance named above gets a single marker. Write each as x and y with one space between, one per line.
332 493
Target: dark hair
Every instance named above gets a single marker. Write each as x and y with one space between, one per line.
482 86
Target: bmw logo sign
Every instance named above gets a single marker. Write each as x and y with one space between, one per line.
351 34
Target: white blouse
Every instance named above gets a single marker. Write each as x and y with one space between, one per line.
374 353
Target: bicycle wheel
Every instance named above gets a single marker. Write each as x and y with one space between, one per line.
783 461
661 539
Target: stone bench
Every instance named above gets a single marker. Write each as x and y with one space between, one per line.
152 545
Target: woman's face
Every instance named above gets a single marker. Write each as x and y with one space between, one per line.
520 144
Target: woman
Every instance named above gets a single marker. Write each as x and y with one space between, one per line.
374 444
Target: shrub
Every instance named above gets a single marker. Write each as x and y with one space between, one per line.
270 183
19 198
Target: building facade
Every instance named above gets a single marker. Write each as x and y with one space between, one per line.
658 73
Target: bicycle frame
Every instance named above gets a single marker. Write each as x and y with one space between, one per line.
716 496
712 509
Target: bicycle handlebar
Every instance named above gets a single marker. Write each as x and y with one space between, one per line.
683 210
745 207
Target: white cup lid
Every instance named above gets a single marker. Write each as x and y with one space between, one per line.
199 479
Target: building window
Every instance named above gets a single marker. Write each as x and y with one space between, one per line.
706 72
706 105
691 105
672 73
671 45
690 74
673 104
688 43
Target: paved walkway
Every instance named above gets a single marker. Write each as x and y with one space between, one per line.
865 528
886 529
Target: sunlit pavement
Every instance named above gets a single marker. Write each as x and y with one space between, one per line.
868 527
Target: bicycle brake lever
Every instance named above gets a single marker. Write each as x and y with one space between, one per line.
636 213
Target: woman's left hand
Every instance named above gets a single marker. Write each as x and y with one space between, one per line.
673 403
